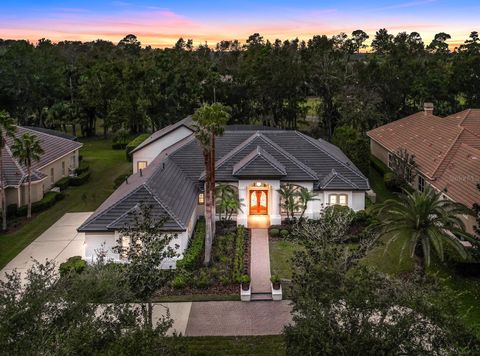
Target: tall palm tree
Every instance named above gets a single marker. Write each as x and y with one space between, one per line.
210 120
7 128
27 149
289 202
426 222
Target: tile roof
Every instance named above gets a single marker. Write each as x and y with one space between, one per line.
54 147
174 177
444 148
187 122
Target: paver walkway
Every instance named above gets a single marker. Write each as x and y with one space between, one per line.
260 262
58 243
238 318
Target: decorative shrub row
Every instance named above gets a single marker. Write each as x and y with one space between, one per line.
134 143
63 183
238 264
49 200
82 168
193 253
79 180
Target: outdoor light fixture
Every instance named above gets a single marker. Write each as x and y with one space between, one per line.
258 184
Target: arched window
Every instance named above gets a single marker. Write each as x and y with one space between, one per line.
338 199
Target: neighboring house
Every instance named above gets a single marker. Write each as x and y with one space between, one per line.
60 159
256 160
447 151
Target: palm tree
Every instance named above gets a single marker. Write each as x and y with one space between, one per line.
7 128
426 222
289 201
305 197
27 149
227 201
210 120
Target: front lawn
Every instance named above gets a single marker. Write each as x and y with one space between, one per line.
105 165
243 345
281 255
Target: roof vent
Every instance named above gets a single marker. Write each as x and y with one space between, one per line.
428 108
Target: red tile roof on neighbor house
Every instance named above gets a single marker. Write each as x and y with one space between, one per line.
447 150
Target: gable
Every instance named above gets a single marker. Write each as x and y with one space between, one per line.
259 163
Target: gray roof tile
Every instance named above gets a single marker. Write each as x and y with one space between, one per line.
259 163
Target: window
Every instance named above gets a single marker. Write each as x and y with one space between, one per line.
141 165
52 175
201 198
338 199
421 184
63 168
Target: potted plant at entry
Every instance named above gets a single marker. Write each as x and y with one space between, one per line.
276 287
245 290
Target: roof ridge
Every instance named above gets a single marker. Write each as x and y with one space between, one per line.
314 143
434 172
7 148
468 111
259 152
335 174
35 132
165 206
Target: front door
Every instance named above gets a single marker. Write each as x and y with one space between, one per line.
258 202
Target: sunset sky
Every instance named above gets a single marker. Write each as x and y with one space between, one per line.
161 23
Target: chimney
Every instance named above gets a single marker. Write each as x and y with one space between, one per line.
428 108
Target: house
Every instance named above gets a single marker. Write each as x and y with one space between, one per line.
447 152
60 159
256 160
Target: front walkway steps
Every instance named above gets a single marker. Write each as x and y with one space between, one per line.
261 297
260 265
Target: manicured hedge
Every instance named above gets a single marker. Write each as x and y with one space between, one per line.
379 166
134 143
192 255
63 183
80 179
49 200
82 168
238 263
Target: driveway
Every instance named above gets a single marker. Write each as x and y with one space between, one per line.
58 243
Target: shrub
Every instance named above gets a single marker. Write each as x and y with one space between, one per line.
49 200
119 180
63 183
134 143
180 281
82 168
191 257
12 210
203 280
73 264
238 263
379 166
79 180
274 232
392 182
245 279
284 233
275 279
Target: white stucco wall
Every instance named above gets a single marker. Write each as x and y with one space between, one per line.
149 152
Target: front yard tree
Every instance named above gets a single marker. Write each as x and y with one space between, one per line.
289 199
27 149
145 246
227 201
425 222
210 120
305 196
7 128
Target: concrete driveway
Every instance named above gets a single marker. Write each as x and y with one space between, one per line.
58 243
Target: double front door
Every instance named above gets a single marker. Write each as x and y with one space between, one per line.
259 202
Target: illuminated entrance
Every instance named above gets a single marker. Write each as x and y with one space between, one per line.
258 202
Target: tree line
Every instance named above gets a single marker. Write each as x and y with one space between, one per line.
83 86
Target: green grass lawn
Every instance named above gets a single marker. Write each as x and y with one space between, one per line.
243 345
281 254
105 165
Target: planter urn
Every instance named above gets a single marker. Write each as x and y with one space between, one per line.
245 293
276 291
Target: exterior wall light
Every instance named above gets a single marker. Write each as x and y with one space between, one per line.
258 184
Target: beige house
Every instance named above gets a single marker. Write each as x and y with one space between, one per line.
60 159
447 151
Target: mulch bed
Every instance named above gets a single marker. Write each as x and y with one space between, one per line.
215 290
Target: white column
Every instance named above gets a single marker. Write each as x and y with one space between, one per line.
243 196
275 217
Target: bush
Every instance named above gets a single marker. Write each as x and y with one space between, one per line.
49 200
245 279
119 146
63 183
379 166
79 180
392 182
274 232
180 281
284 233
11 210
191 257
275 279
133 144
238 262
73 264
203 280
82 168
119 180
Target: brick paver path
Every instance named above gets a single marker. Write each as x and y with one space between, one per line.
238 318
260 262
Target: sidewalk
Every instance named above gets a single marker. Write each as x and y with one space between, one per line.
260 261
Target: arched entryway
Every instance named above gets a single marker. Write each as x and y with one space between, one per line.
259 194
